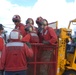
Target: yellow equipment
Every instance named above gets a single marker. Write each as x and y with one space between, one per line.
66 60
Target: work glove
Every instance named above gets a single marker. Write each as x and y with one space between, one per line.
45 42
28 44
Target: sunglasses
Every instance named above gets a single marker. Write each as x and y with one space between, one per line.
15 20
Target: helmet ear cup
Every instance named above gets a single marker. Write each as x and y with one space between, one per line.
21 37
29 28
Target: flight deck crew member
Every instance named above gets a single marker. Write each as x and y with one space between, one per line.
16 55
31 36
2 46
18 25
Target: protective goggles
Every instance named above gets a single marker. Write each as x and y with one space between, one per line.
16 21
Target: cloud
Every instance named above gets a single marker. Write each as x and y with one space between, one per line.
8 10
56 10
52 10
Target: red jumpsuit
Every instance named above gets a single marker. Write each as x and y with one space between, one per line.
31 37
1 51
49 35
21 27
16 54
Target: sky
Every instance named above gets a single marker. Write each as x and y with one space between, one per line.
23 2
53 10
70 0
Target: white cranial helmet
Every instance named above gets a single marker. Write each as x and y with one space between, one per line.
15 35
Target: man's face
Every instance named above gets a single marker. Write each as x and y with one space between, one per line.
1 31
16 23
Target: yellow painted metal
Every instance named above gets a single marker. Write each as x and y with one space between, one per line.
71 58
63 57
71 22
62 51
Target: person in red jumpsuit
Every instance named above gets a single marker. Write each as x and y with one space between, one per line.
48 33
30 22
39 29
31 36
49 38
18 25
2 45
38 22
16 55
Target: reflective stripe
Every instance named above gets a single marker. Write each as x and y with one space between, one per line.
34 34
15 44
45 32
0 53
